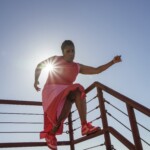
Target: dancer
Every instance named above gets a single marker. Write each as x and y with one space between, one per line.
59 92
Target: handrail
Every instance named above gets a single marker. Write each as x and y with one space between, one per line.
29 144
121 138
16 102
123 98
131 105
116 94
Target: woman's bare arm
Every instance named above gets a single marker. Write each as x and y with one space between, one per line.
96 70
38 70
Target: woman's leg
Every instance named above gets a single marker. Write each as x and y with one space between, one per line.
81 106
87 128
74 96
66 109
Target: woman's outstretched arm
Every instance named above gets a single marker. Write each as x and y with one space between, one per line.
96 70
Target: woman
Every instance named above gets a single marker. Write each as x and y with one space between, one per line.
59 92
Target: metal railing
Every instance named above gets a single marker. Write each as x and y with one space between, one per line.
131 106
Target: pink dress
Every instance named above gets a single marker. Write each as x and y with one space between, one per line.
57 87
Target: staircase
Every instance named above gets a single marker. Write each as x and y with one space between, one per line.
115 121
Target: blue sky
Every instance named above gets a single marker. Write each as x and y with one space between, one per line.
33 30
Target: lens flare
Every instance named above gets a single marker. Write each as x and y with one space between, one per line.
49 67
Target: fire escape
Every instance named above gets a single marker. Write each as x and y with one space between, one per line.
104 105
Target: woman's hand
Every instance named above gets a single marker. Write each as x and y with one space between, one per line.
36 86
117 59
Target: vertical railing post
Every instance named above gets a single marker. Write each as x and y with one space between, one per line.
134 128
71 136
104 119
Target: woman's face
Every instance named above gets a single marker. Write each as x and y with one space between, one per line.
69 53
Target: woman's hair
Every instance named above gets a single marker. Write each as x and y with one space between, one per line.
67 43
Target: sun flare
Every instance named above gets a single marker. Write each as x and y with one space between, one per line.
50 67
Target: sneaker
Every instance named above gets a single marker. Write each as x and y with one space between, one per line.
51 142
89 129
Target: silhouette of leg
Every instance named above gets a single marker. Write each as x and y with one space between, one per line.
81 106
64 113
87 128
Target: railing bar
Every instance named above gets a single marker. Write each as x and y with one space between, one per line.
95 146
75 119
20 102
125 114
87 113
30 144
93 109
145 141
25 132
86 102
115 107
74 111
125 141
92 99
118 121
21 122
19 113
104 118
96 119
143 127
76 128
123 98
18 132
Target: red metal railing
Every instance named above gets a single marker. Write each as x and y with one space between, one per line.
131 105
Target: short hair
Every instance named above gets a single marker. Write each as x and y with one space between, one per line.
67 43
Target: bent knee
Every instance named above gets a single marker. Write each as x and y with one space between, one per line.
73 95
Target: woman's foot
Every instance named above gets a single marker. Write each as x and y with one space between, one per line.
87 129
51 141
51 137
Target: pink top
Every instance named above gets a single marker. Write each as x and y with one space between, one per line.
64 72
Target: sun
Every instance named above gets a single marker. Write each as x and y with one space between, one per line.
50 67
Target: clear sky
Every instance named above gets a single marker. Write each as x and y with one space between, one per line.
33 30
